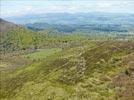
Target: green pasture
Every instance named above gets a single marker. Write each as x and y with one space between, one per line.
42 53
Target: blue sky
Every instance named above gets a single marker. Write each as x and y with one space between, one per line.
11 8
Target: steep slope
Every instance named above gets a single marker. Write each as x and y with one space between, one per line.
6 26
15 37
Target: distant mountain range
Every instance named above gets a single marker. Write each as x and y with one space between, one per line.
75 18
87 22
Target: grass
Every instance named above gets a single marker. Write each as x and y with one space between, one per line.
42 53
3 64
58 76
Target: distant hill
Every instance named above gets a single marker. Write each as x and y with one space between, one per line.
78 22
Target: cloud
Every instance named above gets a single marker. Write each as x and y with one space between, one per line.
104 5
19 8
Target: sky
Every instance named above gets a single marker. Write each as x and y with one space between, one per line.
10 8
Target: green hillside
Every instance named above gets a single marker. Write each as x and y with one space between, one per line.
55 66
15 37
82 72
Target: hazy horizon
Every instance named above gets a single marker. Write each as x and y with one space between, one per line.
16 8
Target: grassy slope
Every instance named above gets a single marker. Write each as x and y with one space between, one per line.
15 37
19 38
124 82
81 72
42 53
